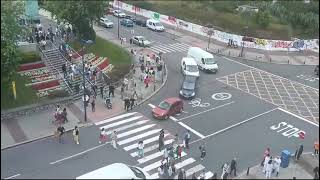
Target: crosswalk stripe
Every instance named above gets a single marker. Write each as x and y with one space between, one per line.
134 138
151 148
157 164
185 46
194 169
175 47
164 46
120 122
154 50
115 118
131 125
150 157
159 49
135 130
178 166
146 141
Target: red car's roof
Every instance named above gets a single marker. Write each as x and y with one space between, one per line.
172 100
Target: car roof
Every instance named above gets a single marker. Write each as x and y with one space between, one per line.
172 100
189 61
194 78
139 36
112 171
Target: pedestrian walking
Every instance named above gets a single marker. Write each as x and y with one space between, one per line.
93 105
225 170
111 90
172 165
114 139
101 91
122 90
202 151
187 138
202 174
64 113
179 152
140 149
180 175
161 139
233 167
166 154
102 136
316 147
266 152
194 176
269 169
60 131
276 165
126 103
132 102
299 152
76 134
64 70
161 171
265 162
176 139
316 172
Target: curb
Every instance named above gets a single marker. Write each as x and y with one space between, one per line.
43 137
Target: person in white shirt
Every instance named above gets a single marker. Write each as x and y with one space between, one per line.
266 160
225 170
269 168
140 149
277 163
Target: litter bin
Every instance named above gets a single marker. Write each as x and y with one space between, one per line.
285 158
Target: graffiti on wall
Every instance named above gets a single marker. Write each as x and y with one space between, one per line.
262 42
136 9
281 44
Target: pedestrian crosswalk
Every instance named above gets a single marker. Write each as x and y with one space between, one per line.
167 48
133 127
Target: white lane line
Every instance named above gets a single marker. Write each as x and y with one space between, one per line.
69 157
130 125
152 106
120 122
206 110
151 148
173 118
135 130
192 130
150 157
146 141
115 118
298 117
134 138
234 125
13 176
157 164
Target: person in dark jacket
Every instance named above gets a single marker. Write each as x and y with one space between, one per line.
233 167
299 152
111 90
161 140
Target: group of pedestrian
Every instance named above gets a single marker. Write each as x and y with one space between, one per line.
60 115
61 130
129 103
270 164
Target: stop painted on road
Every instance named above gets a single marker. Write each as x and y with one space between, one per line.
221 96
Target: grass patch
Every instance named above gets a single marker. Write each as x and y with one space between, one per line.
25 95
117 55
29 57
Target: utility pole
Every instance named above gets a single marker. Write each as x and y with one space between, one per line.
118 27
242 43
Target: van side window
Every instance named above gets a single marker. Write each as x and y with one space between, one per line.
202 60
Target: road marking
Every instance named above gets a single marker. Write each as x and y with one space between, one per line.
120 122
134 138
221 96
173 118
130 126
207 175
192 170
192 130
127 133
152 106
234 125
146 141
69 157
12 176
298 117
150 157
206 111
115 118
151 148
158 163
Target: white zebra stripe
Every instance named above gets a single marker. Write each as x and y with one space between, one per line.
151 148
134 138
146 141
120 122
150 157
157 164
194 169
157 48
131 125
176 47
115 118
135 130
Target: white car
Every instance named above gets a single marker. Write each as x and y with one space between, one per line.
117 171
140 41
119 13
155 25
106 22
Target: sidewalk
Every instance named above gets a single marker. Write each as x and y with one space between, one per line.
302 169
28 128
217 47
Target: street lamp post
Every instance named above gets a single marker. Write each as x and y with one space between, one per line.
84 90
118 27
242 43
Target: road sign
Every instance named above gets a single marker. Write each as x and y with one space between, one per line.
221 96
156 16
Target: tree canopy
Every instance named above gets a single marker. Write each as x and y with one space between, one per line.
80 14
11 11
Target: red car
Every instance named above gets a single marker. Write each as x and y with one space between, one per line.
168 108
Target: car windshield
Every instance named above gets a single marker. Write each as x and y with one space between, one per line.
137 172
210 61
164 105
157 24
188 86
192 68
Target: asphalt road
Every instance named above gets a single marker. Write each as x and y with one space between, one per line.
242 125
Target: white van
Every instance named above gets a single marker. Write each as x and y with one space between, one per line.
116 171
155 25
189 67
204 59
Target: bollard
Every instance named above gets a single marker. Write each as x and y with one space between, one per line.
248 171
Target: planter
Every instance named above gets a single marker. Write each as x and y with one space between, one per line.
104 64
25 67
45 85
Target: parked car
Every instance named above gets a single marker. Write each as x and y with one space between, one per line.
155 25
188 87
119 14
117 171
167 108
126 22
189 67
316 70
141 22
140 41
132 18
106 22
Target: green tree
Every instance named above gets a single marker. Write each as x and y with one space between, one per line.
80 14
263 18
11 11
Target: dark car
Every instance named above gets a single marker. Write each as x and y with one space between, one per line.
126 22
132 18
189 86
141 22
167 108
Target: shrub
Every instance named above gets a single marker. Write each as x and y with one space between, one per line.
263 18
29 57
